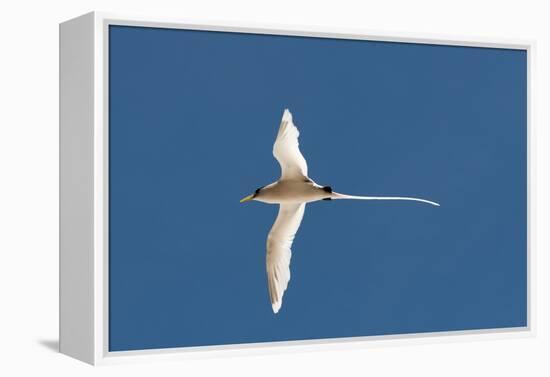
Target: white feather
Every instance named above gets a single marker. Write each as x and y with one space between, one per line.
287 152
279 244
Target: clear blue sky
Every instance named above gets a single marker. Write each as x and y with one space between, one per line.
193 117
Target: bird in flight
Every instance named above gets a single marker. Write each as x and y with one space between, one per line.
292 191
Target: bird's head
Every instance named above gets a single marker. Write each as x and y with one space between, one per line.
252 196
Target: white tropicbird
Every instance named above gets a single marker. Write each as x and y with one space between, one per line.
292 191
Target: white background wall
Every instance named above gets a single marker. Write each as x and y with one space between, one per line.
29 184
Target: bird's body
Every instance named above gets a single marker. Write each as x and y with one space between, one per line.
292 191
286 191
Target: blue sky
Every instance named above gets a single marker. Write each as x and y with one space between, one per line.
193 116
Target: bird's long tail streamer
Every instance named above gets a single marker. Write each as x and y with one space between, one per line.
336 195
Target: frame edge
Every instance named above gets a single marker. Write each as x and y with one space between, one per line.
76 193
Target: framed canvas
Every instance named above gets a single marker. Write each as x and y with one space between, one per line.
238 188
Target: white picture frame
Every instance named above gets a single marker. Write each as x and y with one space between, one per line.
84 195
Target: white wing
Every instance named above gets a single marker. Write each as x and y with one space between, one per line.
286 151
279 242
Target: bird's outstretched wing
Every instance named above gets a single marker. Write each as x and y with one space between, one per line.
279 243
287 152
